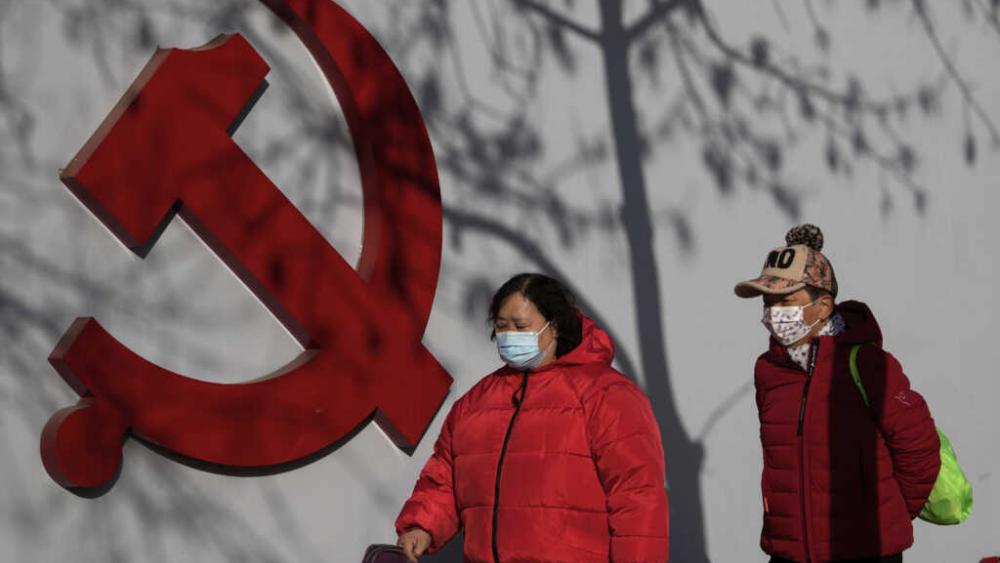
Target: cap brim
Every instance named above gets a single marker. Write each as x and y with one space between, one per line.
769 285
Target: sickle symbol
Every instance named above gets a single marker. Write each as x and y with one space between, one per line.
166 147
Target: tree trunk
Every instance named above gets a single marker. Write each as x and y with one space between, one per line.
683 457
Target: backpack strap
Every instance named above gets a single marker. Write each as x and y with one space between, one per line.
857 376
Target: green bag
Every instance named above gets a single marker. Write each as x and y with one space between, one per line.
950 501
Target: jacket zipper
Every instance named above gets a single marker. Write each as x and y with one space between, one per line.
813 348
518 400
813 351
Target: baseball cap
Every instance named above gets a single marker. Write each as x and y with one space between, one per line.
790 268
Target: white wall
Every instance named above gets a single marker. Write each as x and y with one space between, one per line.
529 181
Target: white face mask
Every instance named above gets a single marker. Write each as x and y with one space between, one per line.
787 324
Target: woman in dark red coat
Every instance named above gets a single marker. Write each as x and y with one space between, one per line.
842 481
554 457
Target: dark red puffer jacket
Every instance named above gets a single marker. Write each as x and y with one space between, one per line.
578 468
841 480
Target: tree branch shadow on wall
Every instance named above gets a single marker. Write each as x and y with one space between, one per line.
746 107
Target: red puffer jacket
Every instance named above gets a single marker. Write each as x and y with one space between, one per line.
564 463
841 480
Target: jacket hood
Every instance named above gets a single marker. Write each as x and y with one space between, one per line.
862 328
595 347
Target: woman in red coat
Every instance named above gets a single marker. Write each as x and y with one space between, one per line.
554 457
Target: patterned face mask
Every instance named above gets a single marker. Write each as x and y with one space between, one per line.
787 324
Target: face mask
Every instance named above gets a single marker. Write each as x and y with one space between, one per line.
787 324
520 350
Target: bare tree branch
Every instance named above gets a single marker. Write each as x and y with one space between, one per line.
659 11
797 83
992 15
949 65
558 19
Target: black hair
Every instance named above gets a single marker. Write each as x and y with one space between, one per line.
556 303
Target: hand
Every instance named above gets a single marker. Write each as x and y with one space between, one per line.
414 543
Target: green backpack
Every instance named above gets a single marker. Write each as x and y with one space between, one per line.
950 501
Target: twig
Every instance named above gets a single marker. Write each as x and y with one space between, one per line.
558 19
791 81
991 18
963 87
657 11
883 162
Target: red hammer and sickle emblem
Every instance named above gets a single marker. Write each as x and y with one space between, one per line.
166 148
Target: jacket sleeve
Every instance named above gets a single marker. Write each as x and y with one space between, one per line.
432 505
906 426
625 444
